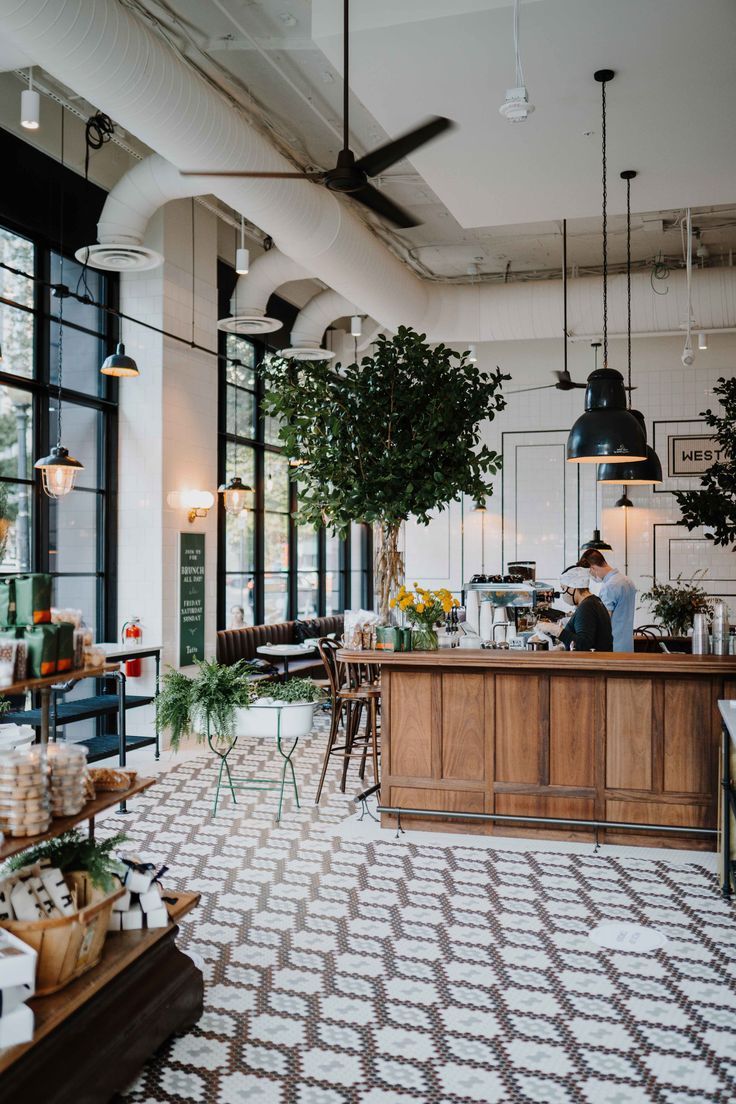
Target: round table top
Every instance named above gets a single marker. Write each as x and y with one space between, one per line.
286 649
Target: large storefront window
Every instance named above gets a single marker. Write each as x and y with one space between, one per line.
270 568
71 537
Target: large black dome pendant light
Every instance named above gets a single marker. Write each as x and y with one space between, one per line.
607 432
645 472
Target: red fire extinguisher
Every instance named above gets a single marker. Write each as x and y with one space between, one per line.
132 637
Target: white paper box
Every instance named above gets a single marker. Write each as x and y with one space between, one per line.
17 962
43 896
136 881
132 919
151 900
123 903
12 996
58 890
17 1027
157 918
26 905
115 923
6 909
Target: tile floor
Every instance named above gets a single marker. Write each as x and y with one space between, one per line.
345 966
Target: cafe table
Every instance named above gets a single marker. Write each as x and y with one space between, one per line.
286 652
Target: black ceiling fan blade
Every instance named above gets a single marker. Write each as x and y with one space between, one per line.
523 390
381 205
378 160
256 175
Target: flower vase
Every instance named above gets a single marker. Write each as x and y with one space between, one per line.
424 639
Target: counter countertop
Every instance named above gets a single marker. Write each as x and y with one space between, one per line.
517 660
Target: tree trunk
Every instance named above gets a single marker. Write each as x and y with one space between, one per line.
388 568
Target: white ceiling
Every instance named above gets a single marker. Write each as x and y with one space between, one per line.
671 105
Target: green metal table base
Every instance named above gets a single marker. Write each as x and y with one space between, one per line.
234 784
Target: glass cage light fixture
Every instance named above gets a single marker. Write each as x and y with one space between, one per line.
234 495
59 470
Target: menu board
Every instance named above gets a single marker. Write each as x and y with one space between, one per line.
191 598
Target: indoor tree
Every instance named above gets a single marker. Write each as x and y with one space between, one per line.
395 436
715 505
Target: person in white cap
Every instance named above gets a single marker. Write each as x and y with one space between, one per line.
589 628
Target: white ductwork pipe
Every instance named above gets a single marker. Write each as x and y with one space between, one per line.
311 323
252 292
102 50
126 212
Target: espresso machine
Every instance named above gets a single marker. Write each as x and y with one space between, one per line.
504 609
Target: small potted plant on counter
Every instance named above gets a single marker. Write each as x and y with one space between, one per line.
424 609
283 709
675 604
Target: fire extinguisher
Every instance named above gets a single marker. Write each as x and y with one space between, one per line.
132 637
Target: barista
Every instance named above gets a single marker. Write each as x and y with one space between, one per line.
589 628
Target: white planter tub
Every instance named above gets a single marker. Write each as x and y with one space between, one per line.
262 719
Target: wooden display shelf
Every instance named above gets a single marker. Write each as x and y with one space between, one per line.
121 950
13 844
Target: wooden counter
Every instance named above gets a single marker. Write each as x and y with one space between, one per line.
626 737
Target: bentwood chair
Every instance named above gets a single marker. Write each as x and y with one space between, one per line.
350 698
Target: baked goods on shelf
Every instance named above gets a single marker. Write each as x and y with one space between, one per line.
109 778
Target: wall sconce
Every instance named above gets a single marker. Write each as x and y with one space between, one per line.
196 503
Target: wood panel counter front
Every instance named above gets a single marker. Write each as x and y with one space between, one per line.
606 736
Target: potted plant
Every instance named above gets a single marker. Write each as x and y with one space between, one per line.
423 609
675 604
283 709
205 706
715 505
395 436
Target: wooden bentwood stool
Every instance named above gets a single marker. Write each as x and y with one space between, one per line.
350 696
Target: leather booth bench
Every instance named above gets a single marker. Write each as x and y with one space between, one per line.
235 644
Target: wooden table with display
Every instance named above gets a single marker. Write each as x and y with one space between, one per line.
92 1037
616 747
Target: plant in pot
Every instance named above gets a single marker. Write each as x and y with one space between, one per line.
283 709
423 609
714 506
675 604
205 706
396 436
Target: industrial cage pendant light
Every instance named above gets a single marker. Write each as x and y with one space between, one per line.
644 473
59 470
607 432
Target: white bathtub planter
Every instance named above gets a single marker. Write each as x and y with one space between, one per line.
262 719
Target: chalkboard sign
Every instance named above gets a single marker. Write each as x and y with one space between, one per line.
191 598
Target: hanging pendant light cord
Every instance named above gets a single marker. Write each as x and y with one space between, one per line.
62 290
605 225
628 279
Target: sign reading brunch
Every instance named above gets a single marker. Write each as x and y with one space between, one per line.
191 598
693 455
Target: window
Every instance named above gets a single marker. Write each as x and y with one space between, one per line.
269 567
70 537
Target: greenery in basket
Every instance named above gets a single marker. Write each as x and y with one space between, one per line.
675 604
715 505
74 851
205 703
395 436
295 690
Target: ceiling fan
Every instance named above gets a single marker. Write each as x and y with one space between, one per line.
350 176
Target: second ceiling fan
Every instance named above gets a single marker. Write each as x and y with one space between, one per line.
349 175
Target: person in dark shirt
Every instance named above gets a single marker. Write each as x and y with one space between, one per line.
589 628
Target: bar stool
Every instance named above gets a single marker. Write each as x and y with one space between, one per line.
350 697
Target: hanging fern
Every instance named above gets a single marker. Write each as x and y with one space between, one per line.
74 851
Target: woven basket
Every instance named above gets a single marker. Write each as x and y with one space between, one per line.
68 946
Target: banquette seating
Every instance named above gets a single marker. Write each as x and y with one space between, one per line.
235 644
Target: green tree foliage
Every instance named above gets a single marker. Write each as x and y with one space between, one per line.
715 505
397 435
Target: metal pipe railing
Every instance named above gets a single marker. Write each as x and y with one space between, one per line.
565 821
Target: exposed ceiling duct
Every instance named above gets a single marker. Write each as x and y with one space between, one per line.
114 60
126 212
311 323
252 292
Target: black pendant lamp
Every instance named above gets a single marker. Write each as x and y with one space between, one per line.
607 432
119 364
649 471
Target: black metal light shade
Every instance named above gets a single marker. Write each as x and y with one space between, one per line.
119 364
607 432
596 543
624 501
234 495
639 473
59 471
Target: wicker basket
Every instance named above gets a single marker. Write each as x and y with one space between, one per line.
68 946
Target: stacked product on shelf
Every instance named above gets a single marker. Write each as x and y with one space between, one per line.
17 984
143 904
32 643
25 805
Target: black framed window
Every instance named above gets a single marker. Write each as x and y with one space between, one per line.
268 566
72 538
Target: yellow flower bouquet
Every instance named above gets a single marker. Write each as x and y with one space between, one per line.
423 609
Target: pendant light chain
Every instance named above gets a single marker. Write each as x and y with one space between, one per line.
628 279
59 373
605 225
